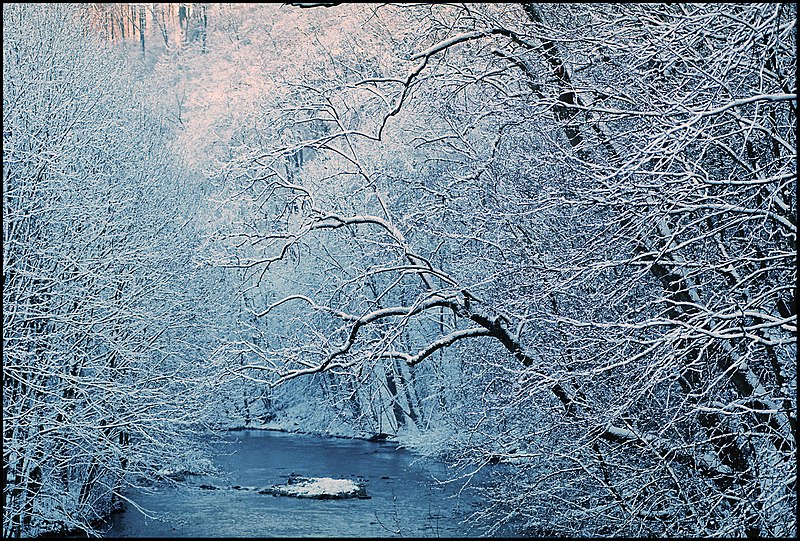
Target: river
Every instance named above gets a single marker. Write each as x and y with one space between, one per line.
405 500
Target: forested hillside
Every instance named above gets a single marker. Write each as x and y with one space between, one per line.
556 243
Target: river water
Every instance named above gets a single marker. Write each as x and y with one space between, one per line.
405 499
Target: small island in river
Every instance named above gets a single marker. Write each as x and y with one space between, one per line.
320 488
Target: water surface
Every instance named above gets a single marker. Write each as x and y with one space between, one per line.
405 499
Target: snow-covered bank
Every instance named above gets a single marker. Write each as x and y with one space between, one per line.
294 429
292 415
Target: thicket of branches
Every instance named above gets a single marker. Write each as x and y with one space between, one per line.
104 311
576 222
555 243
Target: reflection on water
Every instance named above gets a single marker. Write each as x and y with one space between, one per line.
405 501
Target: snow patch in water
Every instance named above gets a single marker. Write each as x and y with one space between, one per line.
319 488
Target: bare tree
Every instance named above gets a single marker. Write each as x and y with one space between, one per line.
603 198
99 316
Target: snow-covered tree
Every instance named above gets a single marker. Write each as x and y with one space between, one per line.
592 206
104 309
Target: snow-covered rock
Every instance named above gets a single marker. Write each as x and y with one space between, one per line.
320 488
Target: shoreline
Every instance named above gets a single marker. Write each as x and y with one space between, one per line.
375 438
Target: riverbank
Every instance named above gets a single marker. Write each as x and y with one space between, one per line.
297 418
275 427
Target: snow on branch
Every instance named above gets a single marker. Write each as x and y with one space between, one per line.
468 36
313 4
751 99
315 306
436 345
